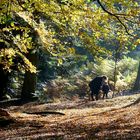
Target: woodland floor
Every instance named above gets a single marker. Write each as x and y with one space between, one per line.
83 120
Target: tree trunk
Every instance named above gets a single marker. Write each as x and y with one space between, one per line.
137 82
3 82
115 80
115 68
30 79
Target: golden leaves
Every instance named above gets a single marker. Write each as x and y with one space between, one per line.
6 57
137 42
29 66
70 18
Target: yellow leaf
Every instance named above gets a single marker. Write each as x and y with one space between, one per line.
60 61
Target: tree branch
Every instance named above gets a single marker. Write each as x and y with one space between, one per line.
116 16
20 4
134 22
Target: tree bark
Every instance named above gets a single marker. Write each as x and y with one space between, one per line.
30 79
137 82
3 82
115 67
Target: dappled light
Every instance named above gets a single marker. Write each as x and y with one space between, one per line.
83 119
69 69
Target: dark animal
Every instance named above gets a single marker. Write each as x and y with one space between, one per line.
96 85
105 89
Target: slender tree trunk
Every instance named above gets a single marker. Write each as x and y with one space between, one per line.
137 82
30 79
115 70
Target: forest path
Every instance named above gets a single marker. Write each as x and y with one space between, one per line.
83 119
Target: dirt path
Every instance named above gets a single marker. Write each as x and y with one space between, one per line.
83 120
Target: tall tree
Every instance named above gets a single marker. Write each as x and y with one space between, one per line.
29 84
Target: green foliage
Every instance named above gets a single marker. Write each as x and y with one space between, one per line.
126 71
38 26
104 67
75 18
76 86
